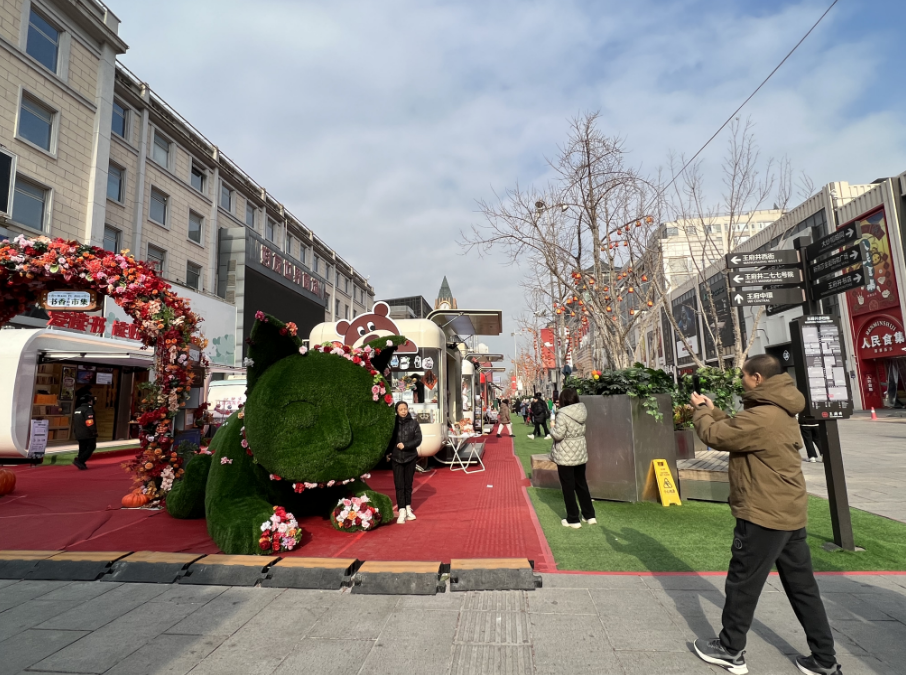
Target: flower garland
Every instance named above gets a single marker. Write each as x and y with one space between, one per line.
281 532
164 321
360 356
356 514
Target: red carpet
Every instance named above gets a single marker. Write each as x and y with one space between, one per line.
482 515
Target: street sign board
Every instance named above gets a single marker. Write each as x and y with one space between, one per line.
847 258
820 367
768 296
790 275
69 301
786 258
836 285
845 235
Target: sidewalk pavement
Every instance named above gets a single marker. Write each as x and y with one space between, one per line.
575 624
874 458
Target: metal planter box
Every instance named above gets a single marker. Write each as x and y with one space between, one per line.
622 440
688 443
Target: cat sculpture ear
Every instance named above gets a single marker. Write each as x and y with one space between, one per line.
269 342
382 360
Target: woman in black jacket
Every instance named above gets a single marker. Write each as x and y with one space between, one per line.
407 436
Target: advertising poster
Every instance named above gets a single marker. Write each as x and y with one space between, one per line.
883 294
37 442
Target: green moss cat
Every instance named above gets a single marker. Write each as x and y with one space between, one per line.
309 417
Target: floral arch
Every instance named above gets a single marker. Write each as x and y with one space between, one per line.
164 321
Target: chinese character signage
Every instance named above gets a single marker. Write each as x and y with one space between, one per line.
820 367
93 324
69 301
881 337
881 291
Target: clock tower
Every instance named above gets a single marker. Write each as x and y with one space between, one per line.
445 299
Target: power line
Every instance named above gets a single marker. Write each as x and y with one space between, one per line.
751 96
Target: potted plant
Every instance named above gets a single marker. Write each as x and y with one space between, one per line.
724 387
629 425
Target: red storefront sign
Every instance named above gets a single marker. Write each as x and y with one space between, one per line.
276 262
883 295
93 324
548 357
882 336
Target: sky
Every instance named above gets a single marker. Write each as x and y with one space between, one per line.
381 124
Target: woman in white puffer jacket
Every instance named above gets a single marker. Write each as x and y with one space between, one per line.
570 454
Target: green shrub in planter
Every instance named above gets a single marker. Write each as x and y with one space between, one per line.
638 381
308 419
724 387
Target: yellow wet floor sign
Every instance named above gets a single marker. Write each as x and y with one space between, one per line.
659 473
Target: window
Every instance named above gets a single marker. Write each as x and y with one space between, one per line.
29 204
713 229
196 227
197 177
226 198
158 209
337 308
161 151
354 314
690 229
250 214
671 231
43 41
316 262
193 275
158 257
111 239
346 312
115 181
327 302
35 123
270 230
338 280
290 244
346 285
119 122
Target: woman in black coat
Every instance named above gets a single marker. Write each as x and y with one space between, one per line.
407 436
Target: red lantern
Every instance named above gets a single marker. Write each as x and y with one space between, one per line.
631 289
650 303
631 312
609 309
644 278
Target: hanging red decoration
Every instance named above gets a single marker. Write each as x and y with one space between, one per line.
644 278
650 303
631 289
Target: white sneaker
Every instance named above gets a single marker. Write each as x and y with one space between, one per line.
590 521
548 437
410 514
812 460
575 526
532 436
402 517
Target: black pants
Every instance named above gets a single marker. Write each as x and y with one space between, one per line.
810 440
86 448
573 484
755 550
540 423
403 475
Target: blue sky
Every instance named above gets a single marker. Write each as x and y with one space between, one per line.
381 124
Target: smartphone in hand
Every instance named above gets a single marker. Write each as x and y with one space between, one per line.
696 384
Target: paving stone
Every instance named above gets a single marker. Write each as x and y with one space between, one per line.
571 601
7 582
297 609
387 658
81 591
502 601
686 582
421 624
23 591
883 640
30 614
189 594
370 613
326 657
593 581
472 659
105 608
107 646
669 639
227 612
664 663
501 628
848 607
623 609
444 602
571 645
168 655
250 654
30 646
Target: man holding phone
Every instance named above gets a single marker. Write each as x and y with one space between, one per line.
769 501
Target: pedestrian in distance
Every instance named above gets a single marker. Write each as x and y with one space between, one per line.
809 430
407 436
539 417
503 419
85 428
769 501
524 409
570 454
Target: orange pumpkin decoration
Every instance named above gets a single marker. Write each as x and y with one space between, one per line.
135 500
7 481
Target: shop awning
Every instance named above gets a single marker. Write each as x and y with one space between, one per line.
137 357
484 358
468 322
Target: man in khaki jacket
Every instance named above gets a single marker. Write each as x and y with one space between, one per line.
769 502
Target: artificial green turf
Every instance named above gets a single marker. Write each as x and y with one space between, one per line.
694 537
65 458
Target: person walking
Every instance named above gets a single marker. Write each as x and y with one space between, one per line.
539 417
503 419
570 454
524 408
407 436
769 501
85 429
809 430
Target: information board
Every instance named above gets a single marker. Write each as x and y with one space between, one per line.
820 367
37 442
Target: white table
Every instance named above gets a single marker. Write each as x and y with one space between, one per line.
460 442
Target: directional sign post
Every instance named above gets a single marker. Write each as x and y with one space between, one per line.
768 296
847 258
841 284
785 258
791 275
842 237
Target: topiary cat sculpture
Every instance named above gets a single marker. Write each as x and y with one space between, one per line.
314 423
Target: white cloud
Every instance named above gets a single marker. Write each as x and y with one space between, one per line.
380 124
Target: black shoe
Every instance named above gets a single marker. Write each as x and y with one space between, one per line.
498 435
79 464
712 651
809 666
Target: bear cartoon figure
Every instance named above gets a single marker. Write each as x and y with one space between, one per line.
314 423
363 329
